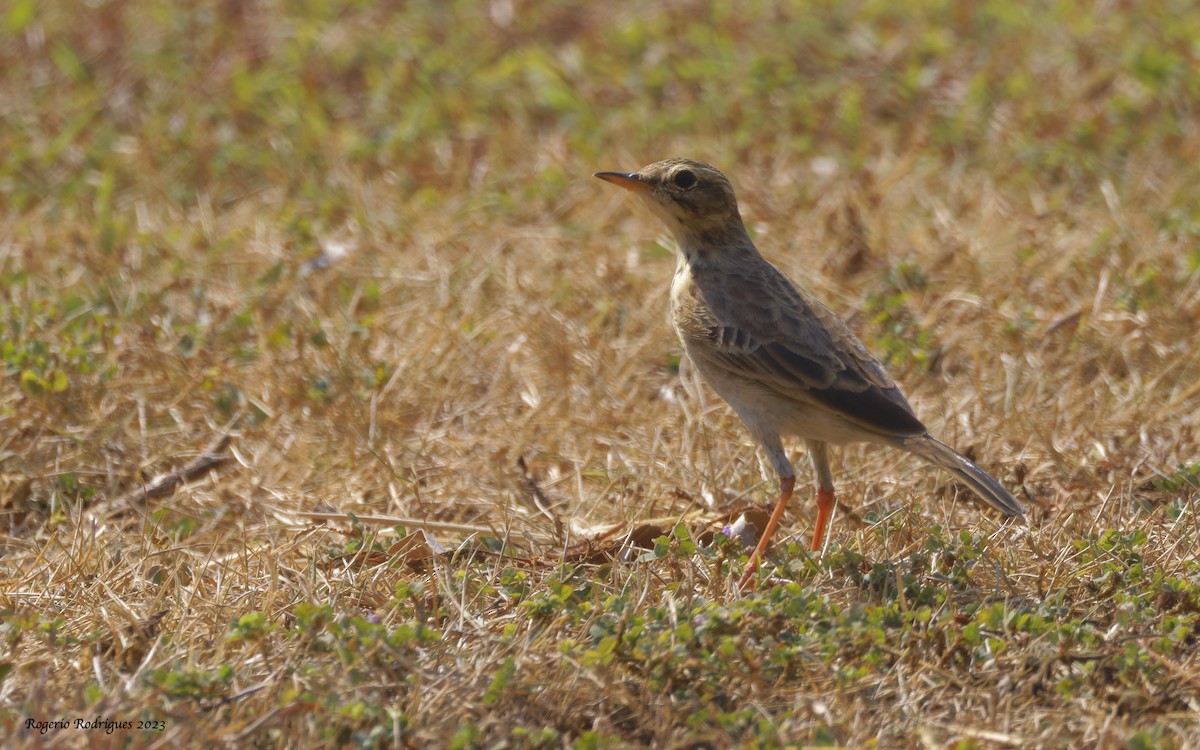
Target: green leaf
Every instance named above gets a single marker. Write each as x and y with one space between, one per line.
662 546
32 383
68 62
19 15
500 681
686 545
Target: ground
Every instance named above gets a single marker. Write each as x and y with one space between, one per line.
339 405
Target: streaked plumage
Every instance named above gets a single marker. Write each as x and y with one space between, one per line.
783 361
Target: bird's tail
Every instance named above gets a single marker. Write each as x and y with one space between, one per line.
989 490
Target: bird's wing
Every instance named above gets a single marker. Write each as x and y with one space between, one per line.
774 334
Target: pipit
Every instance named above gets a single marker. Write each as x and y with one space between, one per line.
784 362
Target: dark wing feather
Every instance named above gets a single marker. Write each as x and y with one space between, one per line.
788 342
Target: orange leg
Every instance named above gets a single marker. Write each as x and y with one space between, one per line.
786 485
824 511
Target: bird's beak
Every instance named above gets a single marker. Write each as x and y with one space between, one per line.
628 180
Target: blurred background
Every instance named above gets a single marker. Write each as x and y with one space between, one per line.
383 211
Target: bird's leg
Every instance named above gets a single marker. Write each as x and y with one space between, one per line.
786 485
819 452
824 510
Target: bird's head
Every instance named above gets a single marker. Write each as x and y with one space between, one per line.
693 198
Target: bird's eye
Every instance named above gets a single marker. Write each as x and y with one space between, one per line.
684 179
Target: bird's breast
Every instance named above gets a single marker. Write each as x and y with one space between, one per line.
690 316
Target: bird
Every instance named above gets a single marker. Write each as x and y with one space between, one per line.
786 363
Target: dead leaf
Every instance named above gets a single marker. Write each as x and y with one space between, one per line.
417 549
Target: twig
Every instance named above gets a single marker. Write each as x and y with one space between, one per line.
164 484
415 523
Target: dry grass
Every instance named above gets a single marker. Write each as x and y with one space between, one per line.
363 241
